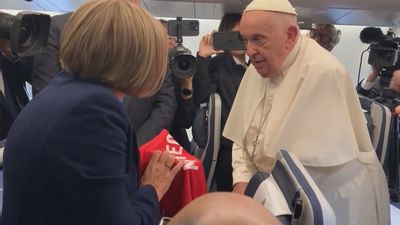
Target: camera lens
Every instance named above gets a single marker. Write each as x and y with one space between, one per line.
25 33
184 65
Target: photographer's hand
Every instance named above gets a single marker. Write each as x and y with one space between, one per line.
373 75
395 81
206 48
186 84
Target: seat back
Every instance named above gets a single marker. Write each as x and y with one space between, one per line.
290 193
2 144
212 120
380 117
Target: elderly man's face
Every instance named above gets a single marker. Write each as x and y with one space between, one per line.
323 36
395 81
266 41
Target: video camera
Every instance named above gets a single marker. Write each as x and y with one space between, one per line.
27 32
182 62
384 54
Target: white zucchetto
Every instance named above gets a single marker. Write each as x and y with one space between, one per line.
282 6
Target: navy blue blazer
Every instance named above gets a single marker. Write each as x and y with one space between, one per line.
70 159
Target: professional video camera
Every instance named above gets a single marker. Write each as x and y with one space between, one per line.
27 32
384 55
182 62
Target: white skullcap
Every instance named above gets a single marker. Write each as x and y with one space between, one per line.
283 6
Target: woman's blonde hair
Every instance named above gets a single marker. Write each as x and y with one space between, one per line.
117 43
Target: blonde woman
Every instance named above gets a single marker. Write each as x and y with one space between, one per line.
71 156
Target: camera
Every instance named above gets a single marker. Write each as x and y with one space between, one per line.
384 49
384 54
27 32
181 61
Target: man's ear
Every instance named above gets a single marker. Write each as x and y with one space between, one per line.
292 33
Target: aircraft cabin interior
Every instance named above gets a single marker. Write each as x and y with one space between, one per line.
293 190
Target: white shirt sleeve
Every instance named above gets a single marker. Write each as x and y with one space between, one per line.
243 167
367 85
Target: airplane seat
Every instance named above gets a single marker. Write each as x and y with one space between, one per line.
206 131
2 144
392 162
199 128
384 137
290 193
379 117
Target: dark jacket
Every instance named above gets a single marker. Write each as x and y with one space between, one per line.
152 114
46 65
184 116
13 96
221 75
70 159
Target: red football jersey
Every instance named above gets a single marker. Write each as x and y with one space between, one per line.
188 184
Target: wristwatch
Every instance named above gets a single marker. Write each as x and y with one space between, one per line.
186 92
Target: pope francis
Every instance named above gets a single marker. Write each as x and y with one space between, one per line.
296 96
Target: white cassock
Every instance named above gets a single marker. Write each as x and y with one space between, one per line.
313 111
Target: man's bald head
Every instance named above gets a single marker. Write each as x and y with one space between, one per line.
224 208
136 2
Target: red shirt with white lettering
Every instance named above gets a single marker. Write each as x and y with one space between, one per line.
188 184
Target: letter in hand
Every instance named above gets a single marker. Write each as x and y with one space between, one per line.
160 172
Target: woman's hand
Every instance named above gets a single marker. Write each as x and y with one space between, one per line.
160 172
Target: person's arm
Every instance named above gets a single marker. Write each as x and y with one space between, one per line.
187 108
204 82
243 168
162 114
89 160
366 86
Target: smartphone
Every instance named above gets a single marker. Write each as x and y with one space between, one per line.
228 41
164 220
189 27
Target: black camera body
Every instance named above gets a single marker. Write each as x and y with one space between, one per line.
384 54
181 61
27 32
384 51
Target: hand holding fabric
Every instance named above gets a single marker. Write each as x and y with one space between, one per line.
160 172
